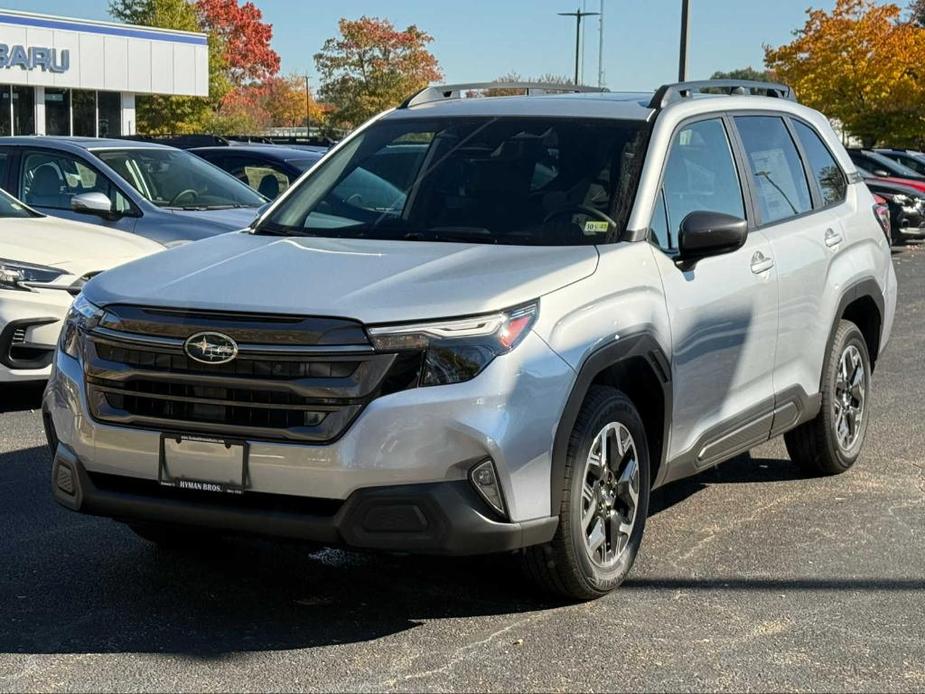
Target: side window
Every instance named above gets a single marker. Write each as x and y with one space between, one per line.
776 170
828 173
51 179
263 176
700 176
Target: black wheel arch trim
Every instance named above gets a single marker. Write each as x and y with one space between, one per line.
642 344
862 288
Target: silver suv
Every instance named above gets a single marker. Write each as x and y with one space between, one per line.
489 324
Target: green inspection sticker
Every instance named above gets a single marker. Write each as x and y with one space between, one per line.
592 227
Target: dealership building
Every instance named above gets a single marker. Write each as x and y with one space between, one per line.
62 76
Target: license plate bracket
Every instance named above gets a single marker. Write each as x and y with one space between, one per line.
203 463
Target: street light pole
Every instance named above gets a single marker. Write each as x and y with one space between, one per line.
682 56
578 15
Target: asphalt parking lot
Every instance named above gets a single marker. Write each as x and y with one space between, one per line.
751 577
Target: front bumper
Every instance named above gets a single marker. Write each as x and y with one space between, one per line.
30 323
427 439
437 518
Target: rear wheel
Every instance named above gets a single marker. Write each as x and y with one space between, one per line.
832 442
605 501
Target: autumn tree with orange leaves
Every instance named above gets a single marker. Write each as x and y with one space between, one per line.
863 65
372 66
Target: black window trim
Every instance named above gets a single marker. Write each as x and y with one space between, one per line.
739 161
24 152
815 184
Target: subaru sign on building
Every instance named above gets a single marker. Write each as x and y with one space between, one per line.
61 76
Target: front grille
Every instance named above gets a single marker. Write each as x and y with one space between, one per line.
295 385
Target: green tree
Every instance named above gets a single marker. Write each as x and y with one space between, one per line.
162 115
744 73
512 76
372 66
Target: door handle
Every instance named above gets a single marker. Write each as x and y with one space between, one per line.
761 263
832 238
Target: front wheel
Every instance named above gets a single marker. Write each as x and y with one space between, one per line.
831 443
605 501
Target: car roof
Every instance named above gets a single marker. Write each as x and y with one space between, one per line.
613 105
619 105
80 143
273 151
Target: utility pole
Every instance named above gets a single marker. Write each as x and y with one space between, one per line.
578 15
308 112
682 56
600 47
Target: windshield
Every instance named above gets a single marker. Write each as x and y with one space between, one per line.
174 178
11 208
894 167
535 181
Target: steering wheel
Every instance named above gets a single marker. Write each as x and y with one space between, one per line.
188 191
584 209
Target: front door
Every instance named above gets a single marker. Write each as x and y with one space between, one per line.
723 311
49 179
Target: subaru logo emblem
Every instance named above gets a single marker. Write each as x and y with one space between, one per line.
211 348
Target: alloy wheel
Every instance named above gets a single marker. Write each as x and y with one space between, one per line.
848 404
610 494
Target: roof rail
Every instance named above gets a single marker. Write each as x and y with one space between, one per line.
669 93
444 92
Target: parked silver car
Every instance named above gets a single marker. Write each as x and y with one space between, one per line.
152 190
547 307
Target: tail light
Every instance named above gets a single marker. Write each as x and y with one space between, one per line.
882 213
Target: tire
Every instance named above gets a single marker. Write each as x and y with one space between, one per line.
171 536
817 445
565 565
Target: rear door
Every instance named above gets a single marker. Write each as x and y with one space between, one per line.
800 196
723 311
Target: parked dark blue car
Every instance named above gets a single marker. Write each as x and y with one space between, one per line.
268 169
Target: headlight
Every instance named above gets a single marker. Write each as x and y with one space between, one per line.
19 276
82 316
457 350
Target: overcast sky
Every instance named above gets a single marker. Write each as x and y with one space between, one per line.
477 40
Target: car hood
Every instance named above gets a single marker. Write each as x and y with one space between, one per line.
73 246
371 281
232 218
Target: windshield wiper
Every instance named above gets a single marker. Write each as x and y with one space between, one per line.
476 234
273 229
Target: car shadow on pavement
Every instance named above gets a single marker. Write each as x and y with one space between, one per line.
78 584
739 470
20 397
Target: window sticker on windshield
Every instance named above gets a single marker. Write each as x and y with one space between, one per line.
594 227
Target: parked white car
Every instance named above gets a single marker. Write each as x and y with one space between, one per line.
43 262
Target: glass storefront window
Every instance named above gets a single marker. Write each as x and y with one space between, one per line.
23 110
83 104
6 113
110 114
57 111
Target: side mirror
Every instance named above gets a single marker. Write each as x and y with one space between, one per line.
92 203
881 173
704 234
